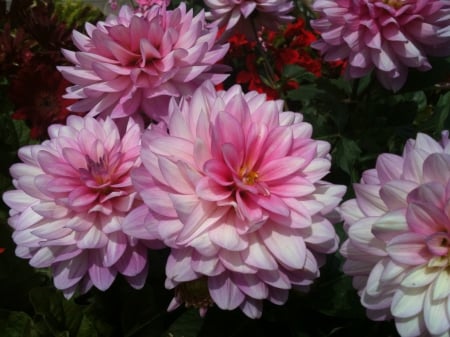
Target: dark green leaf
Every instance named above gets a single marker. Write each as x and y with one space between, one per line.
63 317
298 73
187 325
442 112
16 324
346 154
305 92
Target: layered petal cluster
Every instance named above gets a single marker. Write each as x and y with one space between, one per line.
387 36
135 61
247 16
234 188
399 237
71 195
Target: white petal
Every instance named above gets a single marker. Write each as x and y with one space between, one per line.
441 286
435 315
410 327
419 277
409 303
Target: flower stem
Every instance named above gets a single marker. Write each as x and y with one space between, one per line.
262 51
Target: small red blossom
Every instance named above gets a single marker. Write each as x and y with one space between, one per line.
288 46
293 28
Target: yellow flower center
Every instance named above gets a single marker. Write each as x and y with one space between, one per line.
394 3
249 177
98 170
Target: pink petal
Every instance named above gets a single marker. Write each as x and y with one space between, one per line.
258 256
425 220
233 261
286 247
224 292
102 277
116 246
251 285
409 248
68 273
133 261
226 236
252 308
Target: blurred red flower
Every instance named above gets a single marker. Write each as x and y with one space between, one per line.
36 92
264 73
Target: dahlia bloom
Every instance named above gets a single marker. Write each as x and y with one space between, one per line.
234 189
137 60
388 36
72 194
399 237
246 16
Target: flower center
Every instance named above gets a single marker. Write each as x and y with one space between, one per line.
98 169
438 243
248 177
96 175
394 3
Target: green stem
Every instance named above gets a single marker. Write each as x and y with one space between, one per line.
267 65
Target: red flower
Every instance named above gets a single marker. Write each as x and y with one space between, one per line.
293 28
237 40
288 46
15 49
36 92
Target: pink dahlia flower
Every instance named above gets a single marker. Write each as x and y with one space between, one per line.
234 188
247 16
388 36
399 238
136 61
72 194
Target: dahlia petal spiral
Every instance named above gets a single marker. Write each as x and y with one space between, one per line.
72 193
233 186
135 61
387 36
398 246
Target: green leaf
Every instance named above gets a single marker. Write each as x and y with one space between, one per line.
305 92
363 84
296 72
16 324
336 297
346 154
87 328
187 325
75 13
63 317
441 113
141 314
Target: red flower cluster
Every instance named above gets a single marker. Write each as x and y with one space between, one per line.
31 38
263 71
36 91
